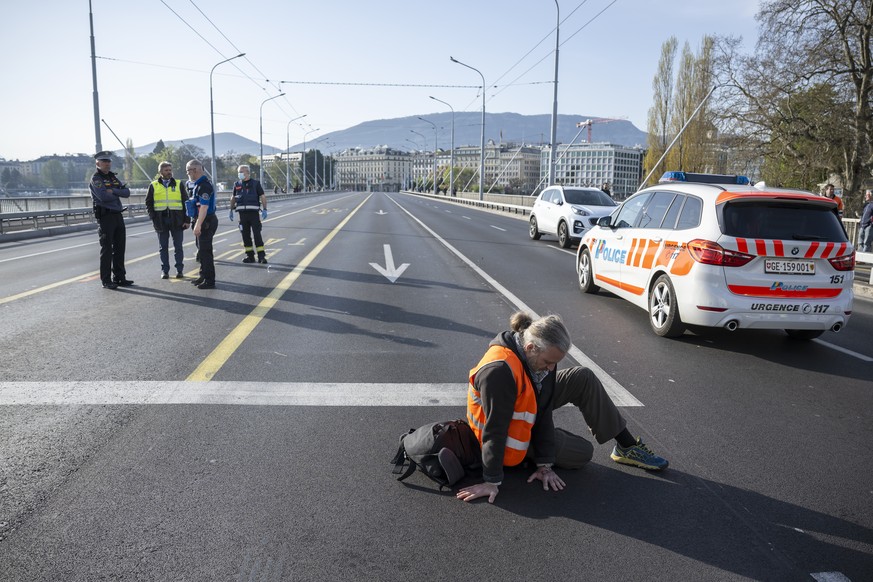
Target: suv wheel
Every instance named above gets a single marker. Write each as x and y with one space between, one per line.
534 231
563 235
663 309
804 334
585 271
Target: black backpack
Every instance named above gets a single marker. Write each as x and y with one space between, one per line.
444 451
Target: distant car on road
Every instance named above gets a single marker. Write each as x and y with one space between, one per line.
714 251
568 212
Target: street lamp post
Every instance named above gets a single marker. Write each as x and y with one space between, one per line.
423 148
261 118
553 149
482 143
304 157
288 153
452 153
212 114
315 161
435 191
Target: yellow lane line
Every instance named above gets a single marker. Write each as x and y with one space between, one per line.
223 352
79 278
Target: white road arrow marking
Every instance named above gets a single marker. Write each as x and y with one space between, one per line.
390 272
298 243
381 212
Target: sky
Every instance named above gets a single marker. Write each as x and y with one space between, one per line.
339 63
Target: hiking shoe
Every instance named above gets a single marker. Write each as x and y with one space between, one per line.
262 260
206 285
249 260
165 275
198 281
179 275
123 282
639 455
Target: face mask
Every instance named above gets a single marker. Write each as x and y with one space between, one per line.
241 176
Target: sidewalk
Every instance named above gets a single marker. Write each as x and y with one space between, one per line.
863 289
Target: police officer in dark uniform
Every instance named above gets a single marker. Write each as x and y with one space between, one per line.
206 223
106 193
250 201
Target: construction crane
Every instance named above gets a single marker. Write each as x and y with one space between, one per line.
590 122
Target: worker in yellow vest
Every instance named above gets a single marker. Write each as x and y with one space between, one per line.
165 203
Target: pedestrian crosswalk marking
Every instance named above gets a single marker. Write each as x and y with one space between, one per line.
232 393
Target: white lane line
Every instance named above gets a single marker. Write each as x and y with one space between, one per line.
830 577
466 218
231 393
861 357
619 394
497 227
20 257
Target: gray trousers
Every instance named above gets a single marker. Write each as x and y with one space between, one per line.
581 388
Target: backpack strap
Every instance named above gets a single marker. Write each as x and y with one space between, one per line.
401 458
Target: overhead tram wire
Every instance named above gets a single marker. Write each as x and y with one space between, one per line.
236 48
548 54
274 84
518 62
212 46
246 75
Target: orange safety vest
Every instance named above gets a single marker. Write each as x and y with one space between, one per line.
523 416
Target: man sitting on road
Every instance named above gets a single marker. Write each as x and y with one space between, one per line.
512 392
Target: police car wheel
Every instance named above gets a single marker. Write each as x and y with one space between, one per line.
804 334
663 309
564 235
585 271
534 231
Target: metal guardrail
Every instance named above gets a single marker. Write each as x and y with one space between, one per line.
46 218
491 203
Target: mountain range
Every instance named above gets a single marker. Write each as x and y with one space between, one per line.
410 133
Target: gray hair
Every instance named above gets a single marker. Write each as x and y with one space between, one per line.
545 332
248 169
194 164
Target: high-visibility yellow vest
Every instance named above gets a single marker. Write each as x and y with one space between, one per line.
167 196
524 414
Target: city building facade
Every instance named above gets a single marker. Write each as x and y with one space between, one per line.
375 169
595 164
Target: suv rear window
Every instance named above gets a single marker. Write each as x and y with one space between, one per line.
782 221
588 197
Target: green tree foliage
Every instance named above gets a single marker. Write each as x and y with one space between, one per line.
662 105
692 151
677 105
802 100
159 147
54 174
127 172
311 158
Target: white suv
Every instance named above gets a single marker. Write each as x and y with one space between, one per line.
724 255
567 212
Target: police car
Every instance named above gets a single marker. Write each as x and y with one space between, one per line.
715 251
567 212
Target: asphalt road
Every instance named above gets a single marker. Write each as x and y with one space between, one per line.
161 432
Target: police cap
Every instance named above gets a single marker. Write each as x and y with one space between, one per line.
104 155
